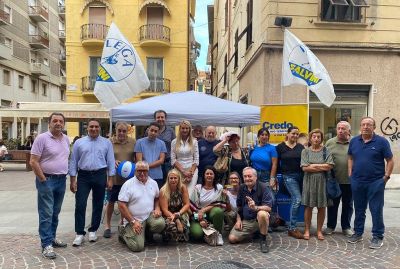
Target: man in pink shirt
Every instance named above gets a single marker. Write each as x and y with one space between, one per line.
49 161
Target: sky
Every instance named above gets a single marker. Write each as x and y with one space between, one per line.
201 32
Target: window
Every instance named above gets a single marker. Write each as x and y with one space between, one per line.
44 89
155 72
236 49
20 81
34 85
249 36
343 10
8 42
62 94
94 65
226 15
225 67
6 77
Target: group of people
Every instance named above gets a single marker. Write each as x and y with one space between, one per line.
178 193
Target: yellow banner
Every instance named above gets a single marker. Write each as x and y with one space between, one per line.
278 118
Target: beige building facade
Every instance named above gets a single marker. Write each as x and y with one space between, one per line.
32 61
358 41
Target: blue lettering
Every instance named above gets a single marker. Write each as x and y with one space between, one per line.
277 125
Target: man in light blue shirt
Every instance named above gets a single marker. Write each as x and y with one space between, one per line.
152 150
92 159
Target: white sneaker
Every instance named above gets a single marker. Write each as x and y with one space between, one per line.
48 252
220 241
92 237
79 238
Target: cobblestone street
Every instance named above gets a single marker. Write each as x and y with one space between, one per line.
21 251
20 246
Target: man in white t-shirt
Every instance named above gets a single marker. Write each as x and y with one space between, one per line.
138 203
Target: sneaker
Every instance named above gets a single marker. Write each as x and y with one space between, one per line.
79 238
376 243
329 231
59 244
296 234
220 241
264 246
347 232
92 237
48 252
355 238
107 233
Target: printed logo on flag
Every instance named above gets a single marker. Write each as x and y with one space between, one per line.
300 67
119 62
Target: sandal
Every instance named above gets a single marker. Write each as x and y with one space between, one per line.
306 237
320 237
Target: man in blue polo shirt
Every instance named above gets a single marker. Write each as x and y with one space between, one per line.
369 174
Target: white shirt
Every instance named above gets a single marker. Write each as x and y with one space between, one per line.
208 196
232 200
184 155
140 197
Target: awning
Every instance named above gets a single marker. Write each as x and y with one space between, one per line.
152 3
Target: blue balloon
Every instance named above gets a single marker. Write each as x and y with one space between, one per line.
126 169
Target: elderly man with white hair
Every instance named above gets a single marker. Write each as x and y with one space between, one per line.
339 146
139 206
254 202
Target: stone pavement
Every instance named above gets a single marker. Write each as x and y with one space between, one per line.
19 242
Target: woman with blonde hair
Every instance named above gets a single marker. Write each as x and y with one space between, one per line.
174 203
316 161
185 154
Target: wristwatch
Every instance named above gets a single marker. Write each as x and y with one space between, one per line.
133 221
387 177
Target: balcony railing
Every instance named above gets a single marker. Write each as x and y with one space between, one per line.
39 41
88 84
93 31
61 10
155 32
5 48
61 34
161 85
39 12
4 17
40 69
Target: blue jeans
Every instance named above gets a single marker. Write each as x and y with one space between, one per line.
89 181
293 184
263 176
372 194
50 195
347 208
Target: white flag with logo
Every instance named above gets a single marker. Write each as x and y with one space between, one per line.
121 74
301 66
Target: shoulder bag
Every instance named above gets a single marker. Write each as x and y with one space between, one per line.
332 186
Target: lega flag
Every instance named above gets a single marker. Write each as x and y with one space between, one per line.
301 66
121 74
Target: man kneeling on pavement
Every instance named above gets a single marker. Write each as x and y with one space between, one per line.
139 206
254 202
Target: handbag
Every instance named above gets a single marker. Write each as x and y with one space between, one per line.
332 186
221 164
210 235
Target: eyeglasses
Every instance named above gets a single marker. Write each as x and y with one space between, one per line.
233 178
142 171
121 131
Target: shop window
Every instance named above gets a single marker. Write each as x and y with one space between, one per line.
343 10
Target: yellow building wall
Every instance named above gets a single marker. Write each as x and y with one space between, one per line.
128 19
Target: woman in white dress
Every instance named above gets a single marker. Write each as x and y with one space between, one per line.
185 154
